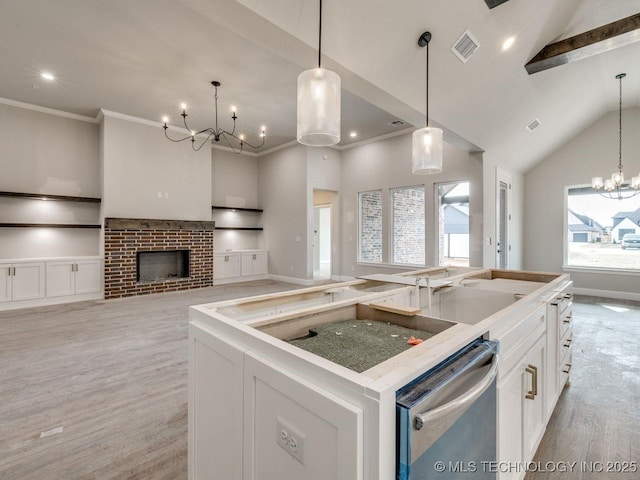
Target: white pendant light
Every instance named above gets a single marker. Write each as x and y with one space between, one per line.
426 151
319 103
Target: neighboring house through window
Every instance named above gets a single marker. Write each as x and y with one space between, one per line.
370 226
408 225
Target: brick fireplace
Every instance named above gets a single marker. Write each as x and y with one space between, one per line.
125 239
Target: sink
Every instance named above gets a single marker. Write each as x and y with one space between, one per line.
465 305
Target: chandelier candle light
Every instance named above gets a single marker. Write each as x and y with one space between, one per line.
426 152
236 142
319 103
615 187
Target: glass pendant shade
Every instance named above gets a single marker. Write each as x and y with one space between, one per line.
426 152
617 178
635 182
608 185
318 108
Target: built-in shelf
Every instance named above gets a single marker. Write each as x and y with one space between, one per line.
257 210
239 228
50 225
42 196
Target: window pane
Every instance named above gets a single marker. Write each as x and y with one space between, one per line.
601 230
370 215
407 205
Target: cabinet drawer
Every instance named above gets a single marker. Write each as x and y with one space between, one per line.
565 370
565 321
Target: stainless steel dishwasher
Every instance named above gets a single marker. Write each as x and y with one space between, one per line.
446 418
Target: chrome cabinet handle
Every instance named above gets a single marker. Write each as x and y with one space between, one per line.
14 271
533 370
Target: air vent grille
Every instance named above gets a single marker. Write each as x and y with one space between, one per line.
396 123
465 46
533 125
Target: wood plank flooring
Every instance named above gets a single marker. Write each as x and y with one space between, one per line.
113 375
597 418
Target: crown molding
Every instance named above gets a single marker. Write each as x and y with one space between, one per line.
50 111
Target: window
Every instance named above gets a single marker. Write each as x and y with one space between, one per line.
408 225
596 227
370 226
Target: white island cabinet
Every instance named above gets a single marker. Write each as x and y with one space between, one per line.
260 407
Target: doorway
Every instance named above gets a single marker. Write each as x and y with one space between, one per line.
452 223
503 218
321 242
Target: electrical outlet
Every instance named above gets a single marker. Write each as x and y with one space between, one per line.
290 439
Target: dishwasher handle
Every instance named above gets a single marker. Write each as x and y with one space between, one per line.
463 401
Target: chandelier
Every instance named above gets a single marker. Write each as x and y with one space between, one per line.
235 142
615 187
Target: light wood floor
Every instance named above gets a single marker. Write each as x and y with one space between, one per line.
597 418
113 375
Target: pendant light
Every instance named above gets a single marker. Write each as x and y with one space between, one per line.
426 152
319 103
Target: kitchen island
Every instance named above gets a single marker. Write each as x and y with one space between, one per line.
248 383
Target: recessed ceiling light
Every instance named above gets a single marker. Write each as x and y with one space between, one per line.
353 134
508 43
47 76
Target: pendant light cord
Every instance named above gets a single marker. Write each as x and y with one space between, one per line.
427 89
620 128
320 36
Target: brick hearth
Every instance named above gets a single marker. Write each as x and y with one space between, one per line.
124 237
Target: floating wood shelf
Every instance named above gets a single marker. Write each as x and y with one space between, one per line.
50 225
257 210
43 196
239 228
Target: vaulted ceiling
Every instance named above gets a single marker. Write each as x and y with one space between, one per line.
144 57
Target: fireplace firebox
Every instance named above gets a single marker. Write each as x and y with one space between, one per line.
161 265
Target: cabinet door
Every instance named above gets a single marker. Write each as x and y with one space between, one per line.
247 264
260 264
60 278
233 266
511 392
28 281
534 414
88 276
550 373
219 267
5 282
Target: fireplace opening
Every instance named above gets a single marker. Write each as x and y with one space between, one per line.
162 265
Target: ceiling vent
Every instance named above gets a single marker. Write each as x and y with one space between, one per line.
465 46
533 125
397 123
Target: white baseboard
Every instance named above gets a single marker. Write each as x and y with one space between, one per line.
224 281
296 281
43 302
607 294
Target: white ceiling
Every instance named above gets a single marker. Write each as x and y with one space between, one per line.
144 57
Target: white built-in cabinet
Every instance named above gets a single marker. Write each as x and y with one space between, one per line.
73 277
27 283
240 265
21 281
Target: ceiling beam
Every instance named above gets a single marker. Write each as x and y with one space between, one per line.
494 3
599 40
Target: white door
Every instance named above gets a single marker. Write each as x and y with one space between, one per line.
233 267
88 276
247 264
534 414
511 400
322 241
261 264
60 278
219 266
5 282
28 281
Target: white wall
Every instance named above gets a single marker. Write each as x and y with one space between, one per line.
283 194
48 154
593 151
139 163
387 164
234 183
